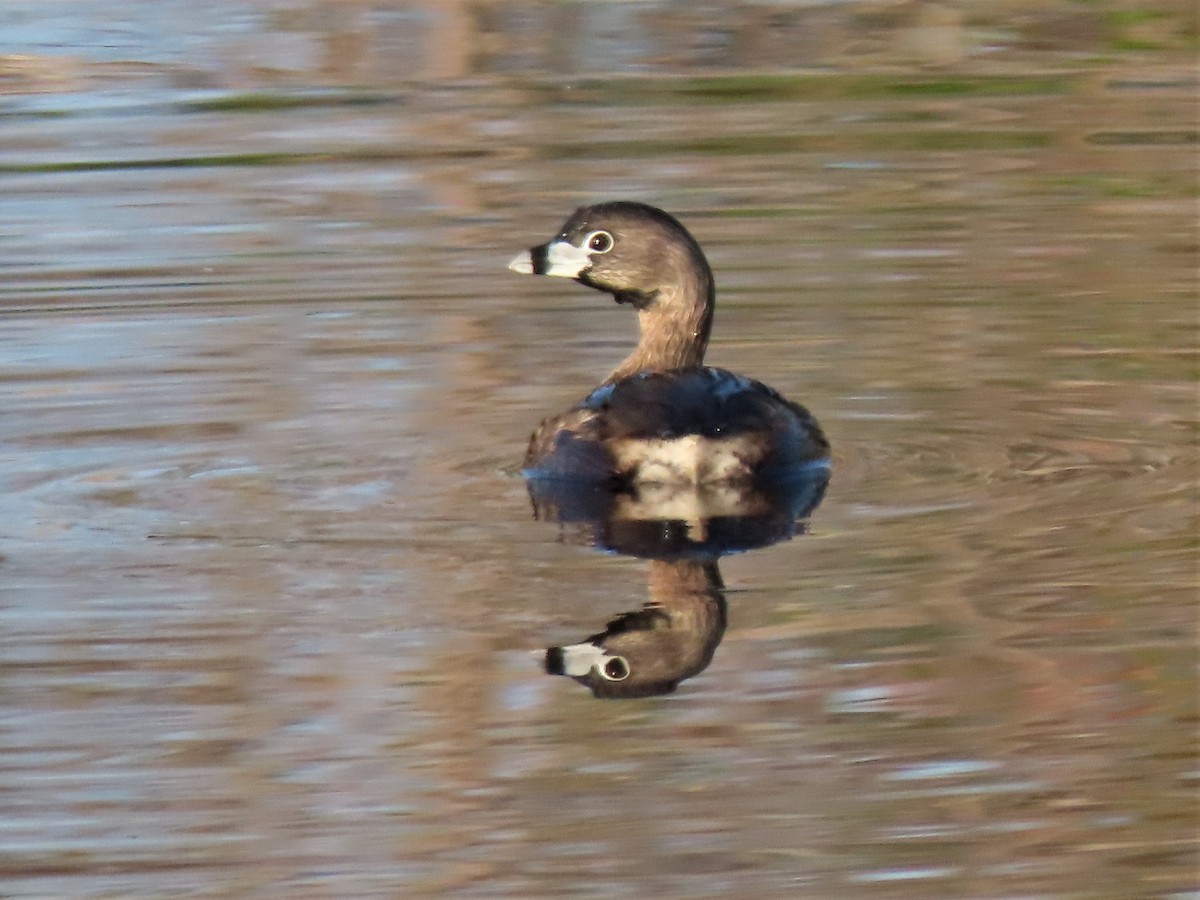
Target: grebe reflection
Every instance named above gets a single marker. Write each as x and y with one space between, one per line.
682 531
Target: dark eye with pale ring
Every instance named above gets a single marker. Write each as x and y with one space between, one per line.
615 669
599 242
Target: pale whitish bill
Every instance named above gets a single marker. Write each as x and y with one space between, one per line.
558 258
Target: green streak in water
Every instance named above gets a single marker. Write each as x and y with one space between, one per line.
785 87
769 144
261 101
228 160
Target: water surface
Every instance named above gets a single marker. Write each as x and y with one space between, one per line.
270 574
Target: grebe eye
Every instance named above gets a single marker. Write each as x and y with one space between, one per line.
615 669
600 241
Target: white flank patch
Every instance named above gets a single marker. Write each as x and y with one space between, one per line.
686 460
684 503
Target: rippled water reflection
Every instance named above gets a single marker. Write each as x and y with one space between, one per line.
270 577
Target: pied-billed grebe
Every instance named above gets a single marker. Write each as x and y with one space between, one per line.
661 416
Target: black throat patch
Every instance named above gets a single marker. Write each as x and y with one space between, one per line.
639 300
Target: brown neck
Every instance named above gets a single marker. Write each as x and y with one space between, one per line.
674 324
672 579
691 595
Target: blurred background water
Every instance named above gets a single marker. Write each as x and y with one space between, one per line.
268 573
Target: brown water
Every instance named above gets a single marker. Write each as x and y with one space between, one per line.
269 574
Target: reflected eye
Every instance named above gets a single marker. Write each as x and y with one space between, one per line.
599 242
615 669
